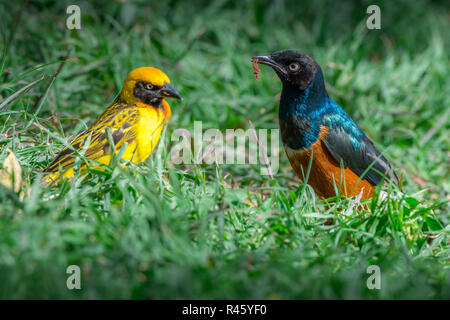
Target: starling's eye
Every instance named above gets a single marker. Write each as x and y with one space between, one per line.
294 66
149 86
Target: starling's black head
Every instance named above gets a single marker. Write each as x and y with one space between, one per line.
292 67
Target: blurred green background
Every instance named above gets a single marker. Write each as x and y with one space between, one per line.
158 231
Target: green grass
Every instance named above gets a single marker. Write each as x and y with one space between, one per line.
162 231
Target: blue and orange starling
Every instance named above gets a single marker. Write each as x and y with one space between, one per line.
315 128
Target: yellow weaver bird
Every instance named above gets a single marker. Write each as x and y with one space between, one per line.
136 117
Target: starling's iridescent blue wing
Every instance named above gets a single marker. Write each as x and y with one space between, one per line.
347 143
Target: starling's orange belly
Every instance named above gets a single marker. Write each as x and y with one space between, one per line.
326 176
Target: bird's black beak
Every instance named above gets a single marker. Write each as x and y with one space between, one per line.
168 91
267 60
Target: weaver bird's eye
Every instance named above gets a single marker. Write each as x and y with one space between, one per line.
294 66
149 86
